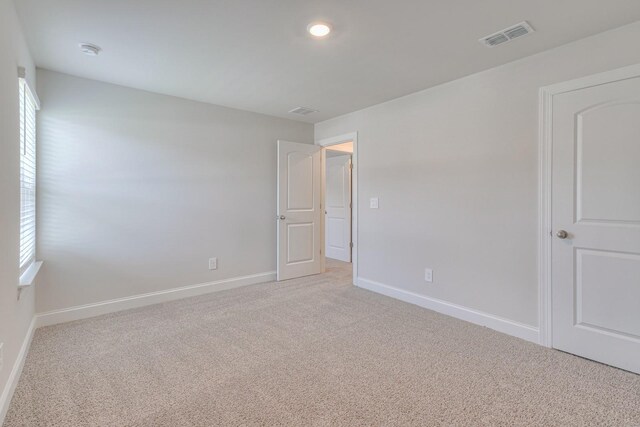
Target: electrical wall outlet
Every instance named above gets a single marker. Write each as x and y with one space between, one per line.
213 263
428 275
373 203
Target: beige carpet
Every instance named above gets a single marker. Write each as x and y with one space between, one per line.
313 351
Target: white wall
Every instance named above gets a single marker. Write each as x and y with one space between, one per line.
138 190
15 315
455 168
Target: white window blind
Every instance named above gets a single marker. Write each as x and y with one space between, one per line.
28 108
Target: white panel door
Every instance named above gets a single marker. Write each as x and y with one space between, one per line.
299 210
338 208
596 202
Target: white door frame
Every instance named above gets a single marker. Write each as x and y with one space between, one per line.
545 141
326 142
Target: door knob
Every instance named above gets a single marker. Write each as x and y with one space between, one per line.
282 217
561 234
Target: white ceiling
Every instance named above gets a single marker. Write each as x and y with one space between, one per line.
255 54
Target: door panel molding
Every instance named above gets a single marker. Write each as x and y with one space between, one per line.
586 158
545 150
306 162
604 323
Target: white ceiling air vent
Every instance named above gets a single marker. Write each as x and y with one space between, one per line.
90 49
495 40
508 34
303 111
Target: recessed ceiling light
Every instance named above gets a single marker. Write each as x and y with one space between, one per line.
90 49
319 29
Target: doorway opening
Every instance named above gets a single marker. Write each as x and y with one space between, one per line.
338 204
339 195
301 202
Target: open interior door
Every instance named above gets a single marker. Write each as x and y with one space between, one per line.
299 210
338 208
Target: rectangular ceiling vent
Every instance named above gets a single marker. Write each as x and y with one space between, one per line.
303 111
508 34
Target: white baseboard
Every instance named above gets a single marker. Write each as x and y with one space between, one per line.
500 324
14 376
105 307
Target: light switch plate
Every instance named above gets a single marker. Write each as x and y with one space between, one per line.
373 203
213 263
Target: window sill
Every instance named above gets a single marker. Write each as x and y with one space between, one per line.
29 274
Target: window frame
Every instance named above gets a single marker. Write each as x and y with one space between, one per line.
28 105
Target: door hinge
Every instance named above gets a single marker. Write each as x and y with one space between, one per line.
351 245
351 166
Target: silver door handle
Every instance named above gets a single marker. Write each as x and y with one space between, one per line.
281 217
561 234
